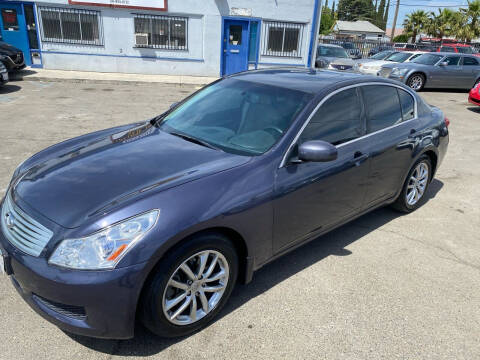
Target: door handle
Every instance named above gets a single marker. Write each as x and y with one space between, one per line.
359 158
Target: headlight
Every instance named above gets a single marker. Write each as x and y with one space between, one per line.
398 72
104 249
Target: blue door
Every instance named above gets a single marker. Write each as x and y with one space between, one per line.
235 46
13 28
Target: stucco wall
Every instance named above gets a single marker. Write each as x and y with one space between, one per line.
118 53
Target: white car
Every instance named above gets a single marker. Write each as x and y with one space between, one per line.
373 67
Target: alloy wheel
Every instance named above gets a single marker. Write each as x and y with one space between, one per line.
417 184
416 82
195 288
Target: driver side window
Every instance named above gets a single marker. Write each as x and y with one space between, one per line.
338 120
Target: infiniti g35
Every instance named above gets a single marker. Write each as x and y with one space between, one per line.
159 219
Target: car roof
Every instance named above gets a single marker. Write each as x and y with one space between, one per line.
311 81
331 45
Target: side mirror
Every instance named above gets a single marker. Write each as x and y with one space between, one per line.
443 63
173 105
317 151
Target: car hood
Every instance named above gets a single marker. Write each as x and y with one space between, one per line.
89 178
377 63
7 49
408 65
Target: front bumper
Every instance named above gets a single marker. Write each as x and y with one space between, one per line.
12 63
3 77
91 303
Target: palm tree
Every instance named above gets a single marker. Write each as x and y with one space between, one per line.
415 23
442 24
471 20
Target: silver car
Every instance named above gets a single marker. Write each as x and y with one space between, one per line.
436 70
334 57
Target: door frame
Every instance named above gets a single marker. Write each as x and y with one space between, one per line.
249 20
37 28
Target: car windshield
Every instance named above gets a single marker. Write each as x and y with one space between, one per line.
465 50
381 55
236 116
398 57
427 59
332 52
447 49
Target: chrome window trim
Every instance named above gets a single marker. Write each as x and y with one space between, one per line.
295 139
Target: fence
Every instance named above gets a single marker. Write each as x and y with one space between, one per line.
364 48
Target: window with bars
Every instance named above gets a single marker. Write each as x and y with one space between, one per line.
161 32
282 39
72 26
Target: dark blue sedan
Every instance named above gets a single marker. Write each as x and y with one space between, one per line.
158 220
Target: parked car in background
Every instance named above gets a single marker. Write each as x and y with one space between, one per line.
352 50
378 49
436 70
380 55
3 74
456 48
474 95
249 168
11 57
404 46
373 67
334 57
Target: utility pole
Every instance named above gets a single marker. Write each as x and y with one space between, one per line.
395 21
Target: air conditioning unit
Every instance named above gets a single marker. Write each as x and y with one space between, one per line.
141 39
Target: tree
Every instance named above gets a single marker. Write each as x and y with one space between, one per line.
469 26
415 23
380 13
402 38
333 10
353 10
441 24
326 22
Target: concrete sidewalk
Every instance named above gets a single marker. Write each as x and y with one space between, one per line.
34 74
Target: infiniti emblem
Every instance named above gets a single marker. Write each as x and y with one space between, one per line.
9 220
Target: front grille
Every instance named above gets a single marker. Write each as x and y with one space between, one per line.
342 67
385 72
23 232
72 311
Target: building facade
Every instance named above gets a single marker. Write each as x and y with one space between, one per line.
177 37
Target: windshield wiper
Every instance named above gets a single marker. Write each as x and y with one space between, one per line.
194 140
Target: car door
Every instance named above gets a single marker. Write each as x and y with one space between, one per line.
312 196
391 127
449 75
471 68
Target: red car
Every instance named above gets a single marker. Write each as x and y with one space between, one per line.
457 48
474 95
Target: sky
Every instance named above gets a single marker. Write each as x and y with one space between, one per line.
408 6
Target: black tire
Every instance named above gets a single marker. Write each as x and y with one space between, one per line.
414 79
151 312
401 204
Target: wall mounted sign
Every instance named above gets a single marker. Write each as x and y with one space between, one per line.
158 5
240 12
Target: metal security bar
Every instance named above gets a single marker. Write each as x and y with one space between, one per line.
71 26
161 32
282 39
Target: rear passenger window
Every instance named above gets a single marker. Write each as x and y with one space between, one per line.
469 61
382 106
407 104
338 120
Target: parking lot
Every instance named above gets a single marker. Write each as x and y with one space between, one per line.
386 286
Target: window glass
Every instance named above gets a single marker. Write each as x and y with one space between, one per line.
237 116
465 49
452 60
283 39
447 49
10 21
235 35
252 50
407 103
382 106
73 26
398 57
427 59
337 121
160 32
469 61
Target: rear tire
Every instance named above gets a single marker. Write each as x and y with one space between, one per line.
415 186
416 81
170 282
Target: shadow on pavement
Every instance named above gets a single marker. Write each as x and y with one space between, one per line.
475 109
20 74
9 88
447 90
331 244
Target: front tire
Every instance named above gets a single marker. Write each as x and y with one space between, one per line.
416 82
415 186
190 286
